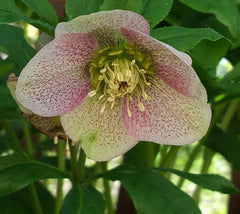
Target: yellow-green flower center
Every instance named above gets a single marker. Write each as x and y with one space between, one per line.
120 71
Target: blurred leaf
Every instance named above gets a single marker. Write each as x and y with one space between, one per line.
225 11
207 181
5 66
156 10
44 9
76 8
3 145
231 81
185 39
13 41
142 155
8 107
83 199
19 202
225 144
9 13
207 54
27 171
133 5
153 193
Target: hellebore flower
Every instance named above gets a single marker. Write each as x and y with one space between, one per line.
113 85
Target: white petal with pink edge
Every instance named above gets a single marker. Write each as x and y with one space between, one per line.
102 135
55 80
104 25
169 117
172 66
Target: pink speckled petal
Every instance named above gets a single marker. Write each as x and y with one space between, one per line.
102 136
104 25
172 66
55 81
169 117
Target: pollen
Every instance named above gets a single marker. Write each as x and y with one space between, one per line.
118 72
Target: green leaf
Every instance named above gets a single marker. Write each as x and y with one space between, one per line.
207 181
12 40
133 5
44 10
5 66
226 144
27 171
83 199
185 39
19 202
153 193
156 10
76 8
3 144
231 81
207 54
225 11
9 13
8 107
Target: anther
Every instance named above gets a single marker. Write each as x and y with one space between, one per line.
92 93
141 107
120 76
55 140
100 78
128 73
133 62
103 70
113 53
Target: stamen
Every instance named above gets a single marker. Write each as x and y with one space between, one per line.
100 78
92 93
128 72
55 140
141 107
120 76
111 99
101 97
103 70
118 72
113 53
128 109
103 107
101 61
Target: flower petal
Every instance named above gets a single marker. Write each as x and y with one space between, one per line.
104 25
172 66
101 135
54 81
169 117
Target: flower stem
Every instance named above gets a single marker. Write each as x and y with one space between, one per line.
34 199
61 166
15 144
107 191
80 169
229 114
218 111
77 163
189 163
208 156
73 160
27 135
169 158
30 151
